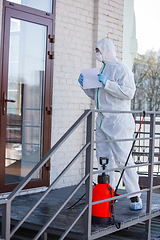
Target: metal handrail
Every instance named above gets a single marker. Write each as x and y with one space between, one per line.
7 202
46 157
88 147
48 190
58 211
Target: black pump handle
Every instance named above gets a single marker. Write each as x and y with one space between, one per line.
101 159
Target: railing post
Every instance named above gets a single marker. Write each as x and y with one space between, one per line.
6 212
44 236
89 170
150 176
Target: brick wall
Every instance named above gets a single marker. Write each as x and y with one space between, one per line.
79 25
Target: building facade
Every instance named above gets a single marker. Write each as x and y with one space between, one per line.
43 50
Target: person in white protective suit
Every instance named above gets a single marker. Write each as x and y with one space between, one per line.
116 94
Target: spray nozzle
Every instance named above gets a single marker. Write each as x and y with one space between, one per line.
103 162
103 179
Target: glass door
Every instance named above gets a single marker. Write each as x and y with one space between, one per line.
25 91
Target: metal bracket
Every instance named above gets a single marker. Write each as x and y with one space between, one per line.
48 166
49 110
51 38
51 54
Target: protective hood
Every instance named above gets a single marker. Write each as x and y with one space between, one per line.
107 49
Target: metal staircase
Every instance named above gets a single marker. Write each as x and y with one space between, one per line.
88 149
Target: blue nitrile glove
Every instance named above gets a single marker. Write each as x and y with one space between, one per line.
80 79
102 79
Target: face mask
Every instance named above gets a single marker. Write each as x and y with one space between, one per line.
99 56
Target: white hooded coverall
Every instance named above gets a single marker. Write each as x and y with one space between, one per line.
115 95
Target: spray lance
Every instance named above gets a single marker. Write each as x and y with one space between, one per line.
115 193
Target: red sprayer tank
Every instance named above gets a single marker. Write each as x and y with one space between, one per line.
103 212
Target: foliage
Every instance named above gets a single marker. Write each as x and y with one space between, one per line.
146 71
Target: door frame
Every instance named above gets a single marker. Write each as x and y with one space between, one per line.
43 18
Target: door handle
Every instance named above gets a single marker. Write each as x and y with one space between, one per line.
4 101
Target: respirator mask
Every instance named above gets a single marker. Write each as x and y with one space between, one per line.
99 56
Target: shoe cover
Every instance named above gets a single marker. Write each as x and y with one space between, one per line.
136 205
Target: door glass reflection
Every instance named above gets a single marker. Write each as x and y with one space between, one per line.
26 81
44 5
